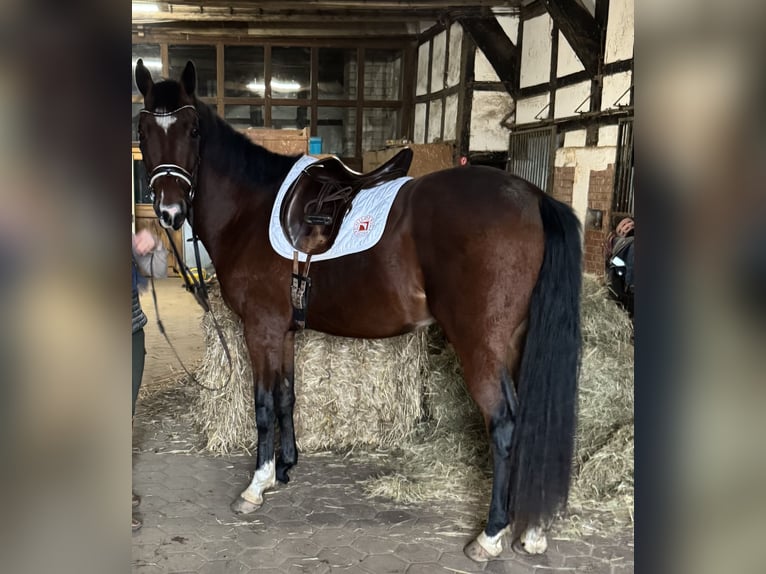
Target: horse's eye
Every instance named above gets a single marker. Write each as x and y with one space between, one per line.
195 132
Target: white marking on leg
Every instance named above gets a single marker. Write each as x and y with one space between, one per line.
534 540
492 544
263 479
165 122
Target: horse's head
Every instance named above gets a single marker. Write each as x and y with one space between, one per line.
168 132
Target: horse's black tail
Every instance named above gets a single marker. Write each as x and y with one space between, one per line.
543 440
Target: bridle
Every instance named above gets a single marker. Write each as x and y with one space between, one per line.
195 285
172 169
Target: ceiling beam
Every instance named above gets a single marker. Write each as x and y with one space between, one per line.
502 54
308 17
582 31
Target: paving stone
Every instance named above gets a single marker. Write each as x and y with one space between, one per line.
394 516
294 529
340 557
416 553
613 553
298 547
511 567
375 545
262 558
322 523
307 566
459 561
383 564
326 519
333 537
427 568
223 567
181 561
260 540
588 564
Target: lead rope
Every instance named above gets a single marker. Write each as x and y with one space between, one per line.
195 287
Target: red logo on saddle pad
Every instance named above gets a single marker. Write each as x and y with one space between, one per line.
363 225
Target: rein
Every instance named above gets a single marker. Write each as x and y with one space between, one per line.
199 290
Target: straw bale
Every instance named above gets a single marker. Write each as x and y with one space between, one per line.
349 392
406 397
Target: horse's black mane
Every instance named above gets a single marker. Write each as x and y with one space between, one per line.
223 147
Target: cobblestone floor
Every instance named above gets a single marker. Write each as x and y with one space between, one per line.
320 522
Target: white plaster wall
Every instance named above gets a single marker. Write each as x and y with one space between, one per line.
536 51
567 99
419 134
435 121
567 62
614 87
584 160
455 51
437 65
450 117
487 109
607 136
422 85
510 25
528 107
483 70
619 31
575 138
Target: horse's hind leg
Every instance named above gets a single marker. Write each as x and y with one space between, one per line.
284 400
266 358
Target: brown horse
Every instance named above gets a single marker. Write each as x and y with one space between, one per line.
485 254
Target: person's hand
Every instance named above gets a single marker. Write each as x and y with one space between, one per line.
144 242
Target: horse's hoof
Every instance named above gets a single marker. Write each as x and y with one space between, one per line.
534 541
475 552
483 548
242 506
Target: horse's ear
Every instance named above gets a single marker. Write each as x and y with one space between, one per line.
143 77
189 78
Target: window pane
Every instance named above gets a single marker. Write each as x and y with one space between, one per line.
150 54
337 74
337 128
290 73
241 117
140 183
204 63
382 74
289 117
379 125
243 71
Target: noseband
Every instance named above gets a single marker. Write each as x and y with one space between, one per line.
171 169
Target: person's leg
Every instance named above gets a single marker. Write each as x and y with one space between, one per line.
139 352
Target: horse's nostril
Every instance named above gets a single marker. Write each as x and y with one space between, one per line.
166 217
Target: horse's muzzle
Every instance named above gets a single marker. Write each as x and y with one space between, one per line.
172 217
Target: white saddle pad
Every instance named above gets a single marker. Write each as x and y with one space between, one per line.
362 227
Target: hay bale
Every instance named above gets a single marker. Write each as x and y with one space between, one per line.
407 395
349 392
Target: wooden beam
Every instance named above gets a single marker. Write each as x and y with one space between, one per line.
581 30
502 54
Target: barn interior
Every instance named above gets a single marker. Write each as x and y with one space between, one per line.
539 88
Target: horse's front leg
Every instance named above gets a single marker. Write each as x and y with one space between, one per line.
266 358
284 400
